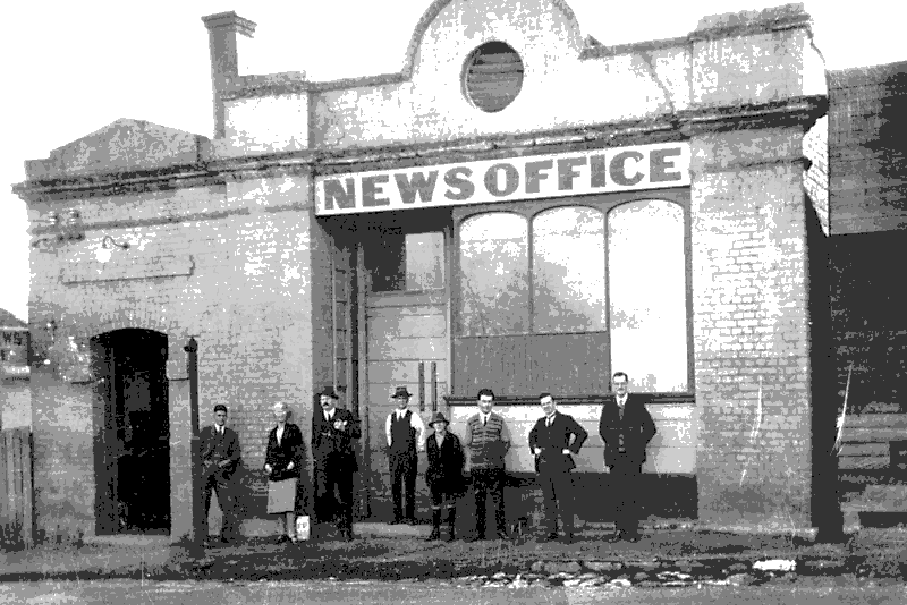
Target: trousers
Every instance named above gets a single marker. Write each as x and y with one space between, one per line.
484 481
403 467
557 490
625 476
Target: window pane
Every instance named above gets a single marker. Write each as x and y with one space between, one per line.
413 261
494 266
424 261
568 269
647 292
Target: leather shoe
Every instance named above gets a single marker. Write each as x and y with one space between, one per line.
476 538
616 538
503 536
411 522
568 539
633 539
397 522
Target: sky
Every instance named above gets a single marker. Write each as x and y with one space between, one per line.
72 68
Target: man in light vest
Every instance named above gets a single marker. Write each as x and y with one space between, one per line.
405 436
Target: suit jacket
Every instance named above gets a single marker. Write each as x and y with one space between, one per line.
445 463
553 440
217 447
333 448
636 427
289 449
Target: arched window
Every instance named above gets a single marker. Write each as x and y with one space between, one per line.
494 265
556 297
647 294
568 270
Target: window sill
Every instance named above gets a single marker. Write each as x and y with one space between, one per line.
648 398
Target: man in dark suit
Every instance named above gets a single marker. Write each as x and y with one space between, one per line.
335 461
220 458
554 440
626 428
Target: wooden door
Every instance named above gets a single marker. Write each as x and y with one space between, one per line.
407 336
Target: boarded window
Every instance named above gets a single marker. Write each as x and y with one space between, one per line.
647 294
493 76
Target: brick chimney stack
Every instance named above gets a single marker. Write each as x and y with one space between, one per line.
222 30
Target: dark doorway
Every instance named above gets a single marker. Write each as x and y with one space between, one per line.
132 449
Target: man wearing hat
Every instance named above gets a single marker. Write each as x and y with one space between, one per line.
335 461
405 434
554 440
444 475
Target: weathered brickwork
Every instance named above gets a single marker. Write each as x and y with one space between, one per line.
868 152
218 240
750 325
251 322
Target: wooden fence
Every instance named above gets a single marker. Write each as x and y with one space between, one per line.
16 493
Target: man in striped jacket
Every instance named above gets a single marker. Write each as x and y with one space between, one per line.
487 441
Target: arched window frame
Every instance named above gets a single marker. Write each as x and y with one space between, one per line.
604 203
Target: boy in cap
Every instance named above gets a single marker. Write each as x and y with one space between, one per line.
444 475
405 433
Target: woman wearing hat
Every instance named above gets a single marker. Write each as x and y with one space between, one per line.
444 475
283 458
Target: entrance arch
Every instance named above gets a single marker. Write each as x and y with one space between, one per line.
132 447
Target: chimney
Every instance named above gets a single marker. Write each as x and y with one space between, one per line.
222 30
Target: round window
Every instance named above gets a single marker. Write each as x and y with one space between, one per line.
493 76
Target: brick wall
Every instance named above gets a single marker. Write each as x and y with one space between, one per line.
868 152
750 324
246 298
868 324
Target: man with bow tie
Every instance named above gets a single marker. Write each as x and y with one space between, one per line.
554 440
626 428
220 458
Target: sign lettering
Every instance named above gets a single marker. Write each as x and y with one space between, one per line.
582 173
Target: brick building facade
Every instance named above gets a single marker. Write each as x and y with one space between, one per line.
295 247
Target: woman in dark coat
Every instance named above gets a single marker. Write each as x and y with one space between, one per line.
283 459
444 475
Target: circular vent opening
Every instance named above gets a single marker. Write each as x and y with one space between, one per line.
493 76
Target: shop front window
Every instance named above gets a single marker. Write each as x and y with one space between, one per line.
494 265
556 298
406 262
568 270
647 279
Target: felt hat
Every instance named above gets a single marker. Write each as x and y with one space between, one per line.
329 391
438 417
402 392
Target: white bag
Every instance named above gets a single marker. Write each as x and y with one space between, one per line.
303 527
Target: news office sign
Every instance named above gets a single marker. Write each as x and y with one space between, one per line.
560 175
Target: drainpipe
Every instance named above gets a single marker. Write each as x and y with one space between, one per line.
198 511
